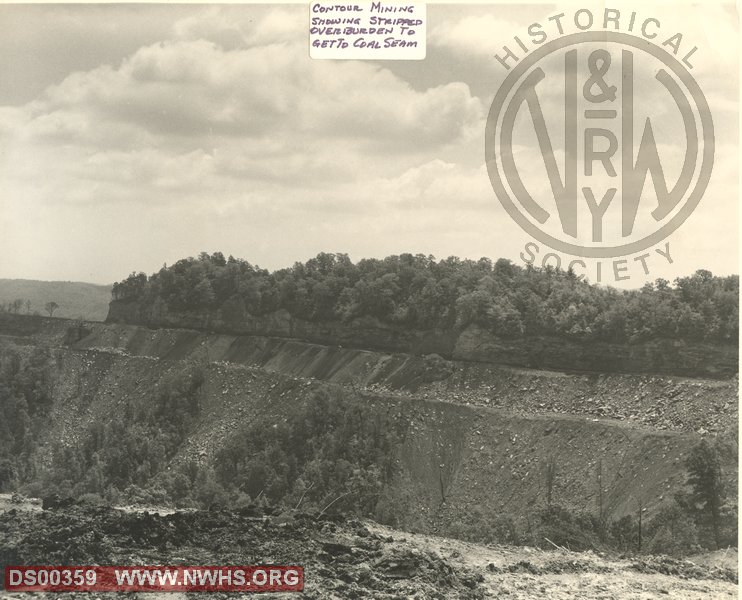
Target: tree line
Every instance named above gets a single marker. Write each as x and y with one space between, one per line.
420 292
15 306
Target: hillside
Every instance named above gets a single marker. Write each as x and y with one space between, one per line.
75 299
510 411
422 443
460 309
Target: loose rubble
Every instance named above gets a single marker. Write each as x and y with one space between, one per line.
343 557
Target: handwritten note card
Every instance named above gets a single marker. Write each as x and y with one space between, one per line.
367 30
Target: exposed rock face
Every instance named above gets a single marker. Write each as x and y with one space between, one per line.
660 356
476 437
656 356
452 458
700 404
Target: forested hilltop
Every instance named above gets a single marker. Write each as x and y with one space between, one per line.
422 293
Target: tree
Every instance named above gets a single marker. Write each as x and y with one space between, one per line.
671 531
550 474
707 486
420 292
50 307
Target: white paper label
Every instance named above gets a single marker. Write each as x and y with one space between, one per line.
367 30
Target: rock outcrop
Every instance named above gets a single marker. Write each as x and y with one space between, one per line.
657 356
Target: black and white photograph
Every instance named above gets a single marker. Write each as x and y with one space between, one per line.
378 299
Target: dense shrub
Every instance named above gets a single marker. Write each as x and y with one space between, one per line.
671 531
421 292
330 449
25 401
130 450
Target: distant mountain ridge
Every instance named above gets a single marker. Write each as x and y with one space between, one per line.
75 299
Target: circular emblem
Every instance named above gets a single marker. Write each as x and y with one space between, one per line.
599 144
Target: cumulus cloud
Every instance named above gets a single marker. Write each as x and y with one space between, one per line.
212 113
218 132
440 185
280 25
230 27
193 88
211 25
475 36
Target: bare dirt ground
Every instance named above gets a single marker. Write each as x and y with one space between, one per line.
344 557
341 557
524 573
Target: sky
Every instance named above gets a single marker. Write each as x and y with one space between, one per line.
135 135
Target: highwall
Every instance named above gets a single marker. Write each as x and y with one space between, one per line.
658 356
475 440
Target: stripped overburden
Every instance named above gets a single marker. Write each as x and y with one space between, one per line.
462 403
474 441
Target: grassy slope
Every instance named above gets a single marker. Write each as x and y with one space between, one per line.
75 299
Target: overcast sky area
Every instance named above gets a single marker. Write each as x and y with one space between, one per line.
136 135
